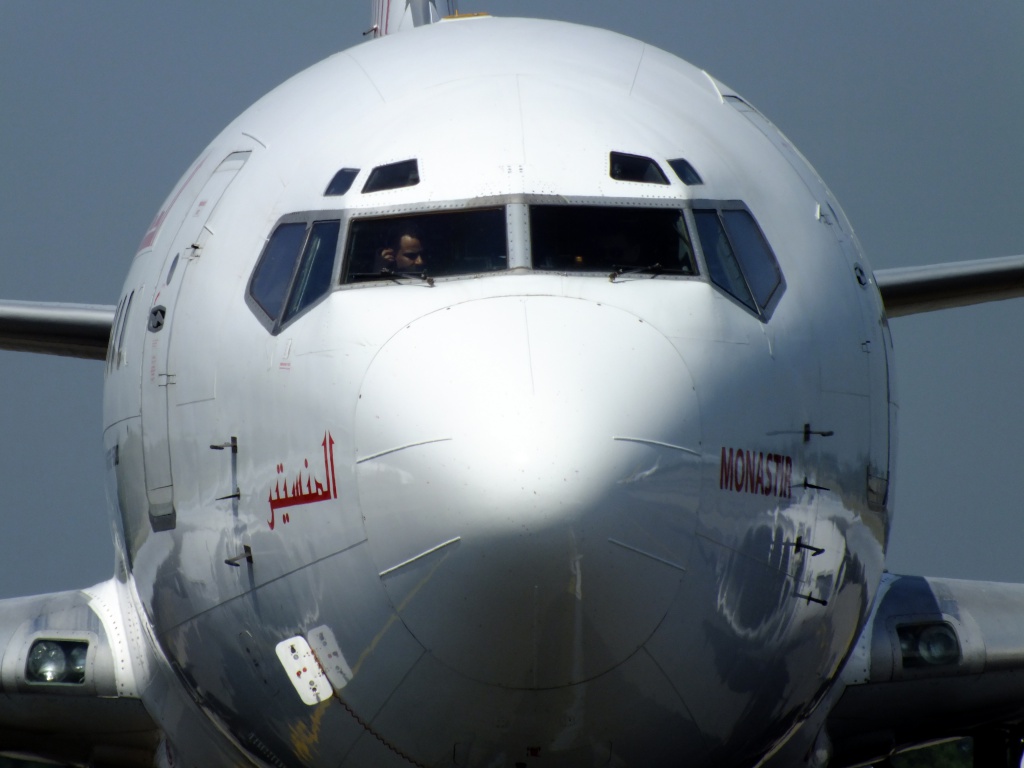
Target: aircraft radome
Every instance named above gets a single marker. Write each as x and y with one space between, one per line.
45 471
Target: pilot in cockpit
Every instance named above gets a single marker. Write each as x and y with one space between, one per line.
404 252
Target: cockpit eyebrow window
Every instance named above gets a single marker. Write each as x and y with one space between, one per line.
738 257
607 239
624 167
426 245
686 172
393 176
342 182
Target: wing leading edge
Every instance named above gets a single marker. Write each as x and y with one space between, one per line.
70 330
82 330
909 290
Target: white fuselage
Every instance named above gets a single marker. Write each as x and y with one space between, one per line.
523 516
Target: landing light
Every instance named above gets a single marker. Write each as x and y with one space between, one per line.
928 645
57 661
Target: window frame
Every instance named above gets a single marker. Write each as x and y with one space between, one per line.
764 312
518 242
667 205
276 324
504 202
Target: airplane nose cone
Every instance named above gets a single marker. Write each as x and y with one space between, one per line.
528 470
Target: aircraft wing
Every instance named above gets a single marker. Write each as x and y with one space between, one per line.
938 659
82 330
68 689
909 290
71 330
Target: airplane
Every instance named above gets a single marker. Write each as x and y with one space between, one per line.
543 755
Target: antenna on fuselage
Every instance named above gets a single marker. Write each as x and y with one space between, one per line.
390 16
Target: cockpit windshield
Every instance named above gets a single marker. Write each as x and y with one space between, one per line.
299 262
426 245
578 238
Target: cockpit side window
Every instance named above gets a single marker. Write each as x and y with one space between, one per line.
589 238
273 274
758 262
426 245
723 268
738 257
295 269
313 278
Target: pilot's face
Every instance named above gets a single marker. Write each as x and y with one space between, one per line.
409 256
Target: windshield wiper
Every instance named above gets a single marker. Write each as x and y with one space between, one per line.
421 275
652 269
395 277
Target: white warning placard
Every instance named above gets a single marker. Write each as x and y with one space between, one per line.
331 658
304 670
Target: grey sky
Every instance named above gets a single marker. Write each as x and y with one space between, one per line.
911 111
